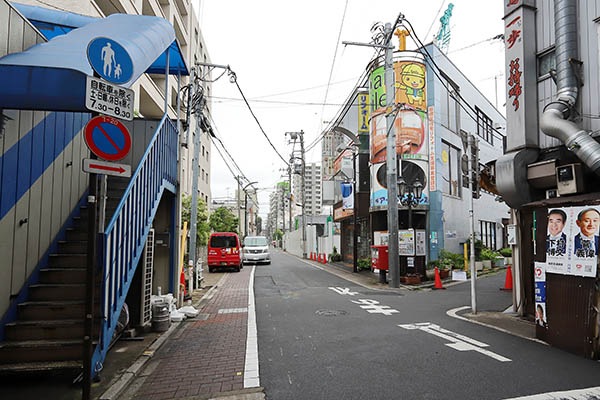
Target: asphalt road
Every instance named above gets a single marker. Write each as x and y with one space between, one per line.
315 342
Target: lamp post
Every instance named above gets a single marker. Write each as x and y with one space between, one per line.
246 207
410 195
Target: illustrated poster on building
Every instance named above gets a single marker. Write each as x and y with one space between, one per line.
406 242
572 240
421 242
540 294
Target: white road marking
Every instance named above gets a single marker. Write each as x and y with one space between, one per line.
251 376
373 307
232 310
579 394
343 291
457 341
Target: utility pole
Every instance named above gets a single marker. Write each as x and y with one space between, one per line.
392 178
471 142
195 172
303 195
239 206
289 170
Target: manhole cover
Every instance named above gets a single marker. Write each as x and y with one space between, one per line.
330 313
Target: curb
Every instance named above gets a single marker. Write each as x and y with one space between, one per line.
454 314
115 390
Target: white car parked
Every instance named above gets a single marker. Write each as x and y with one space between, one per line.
256 250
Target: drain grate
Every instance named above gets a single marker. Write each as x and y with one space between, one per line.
330 313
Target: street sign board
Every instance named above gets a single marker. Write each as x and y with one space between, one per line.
106 168
107 98
107 138
110 60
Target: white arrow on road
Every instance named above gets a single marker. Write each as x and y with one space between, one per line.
458 342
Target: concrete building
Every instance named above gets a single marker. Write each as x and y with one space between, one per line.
313 190
429 144
149 89
549 172
47 205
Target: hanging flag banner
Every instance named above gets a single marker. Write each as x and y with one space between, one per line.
540 294
347 196
572 240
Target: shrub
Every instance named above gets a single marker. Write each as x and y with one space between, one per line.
364 263
487 254
451 260
506 252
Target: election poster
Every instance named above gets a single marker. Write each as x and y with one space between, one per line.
572 240
540 294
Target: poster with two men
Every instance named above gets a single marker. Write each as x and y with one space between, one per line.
572 241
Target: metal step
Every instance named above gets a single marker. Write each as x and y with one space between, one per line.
72 246
36 310
41 367
40 350
68 260
62 275
56 292
45 330
76 234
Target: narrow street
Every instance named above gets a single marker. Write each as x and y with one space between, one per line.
315 341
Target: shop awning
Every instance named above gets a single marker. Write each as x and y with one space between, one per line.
51 76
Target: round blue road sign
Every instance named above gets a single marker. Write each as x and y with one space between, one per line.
110 60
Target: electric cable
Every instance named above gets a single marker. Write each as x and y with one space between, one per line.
234 80
337 43
444 82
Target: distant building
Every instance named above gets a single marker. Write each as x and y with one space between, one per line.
313 190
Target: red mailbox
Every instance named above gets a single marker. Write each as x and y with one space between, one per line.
379 257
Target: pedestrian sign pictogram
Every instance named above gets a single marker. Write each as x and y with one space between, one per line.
107 138
110 60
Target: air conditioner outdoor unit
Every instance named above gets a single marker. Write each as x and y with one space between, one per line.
569 179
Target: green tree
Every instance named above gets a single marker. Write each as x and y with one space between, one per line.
278 235
223 220
202 226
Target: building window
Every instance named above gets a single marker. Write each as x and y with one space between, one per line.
451 111
546 63
207 154
484 127
203 149
450 170
488 234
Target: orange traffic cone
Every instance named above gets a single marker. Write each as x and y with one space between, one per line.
311 255
324 258
508 286
438 281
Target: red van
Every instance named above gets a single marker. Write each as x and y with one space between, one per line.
224 251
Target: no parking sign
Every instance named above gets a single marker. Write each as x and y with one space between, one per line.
107 138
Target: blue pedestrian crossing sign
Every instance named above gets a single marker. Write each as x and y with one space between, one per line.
110 60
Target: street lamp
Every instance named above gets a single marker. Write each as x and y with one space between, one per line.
246 207
410 195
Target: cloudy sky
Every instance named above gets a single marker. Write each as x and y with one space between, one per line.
296 73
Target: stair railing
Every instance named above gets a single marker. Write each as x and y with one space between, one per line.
123 240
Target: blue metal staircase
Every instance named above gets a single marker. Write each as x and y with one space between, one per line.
123 240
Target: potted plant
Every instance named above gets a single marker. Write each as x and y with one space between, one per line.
430 269
364 263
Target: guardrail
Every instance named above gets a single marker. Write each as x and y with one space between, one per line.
123 240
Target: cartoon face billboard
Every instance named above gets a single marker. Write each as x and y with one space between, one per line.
410 124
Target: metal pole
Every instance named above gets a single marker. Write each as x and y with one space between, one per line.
303 195
245 213
90 274
195 174
239 206
167 84
354 217
472 229
290 198
392 179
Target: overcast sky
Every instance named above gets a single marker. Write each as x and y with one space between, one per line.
282 53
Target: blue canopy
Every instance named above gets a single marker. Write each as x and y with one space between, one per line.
51 76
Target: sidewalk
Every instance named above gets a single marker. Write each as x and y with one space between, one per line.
205 357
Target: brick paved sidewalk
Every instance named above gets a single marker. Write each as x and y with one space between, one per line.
207 355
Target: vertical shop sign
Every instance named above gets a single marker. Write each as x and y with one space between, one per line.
432 182
363 113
